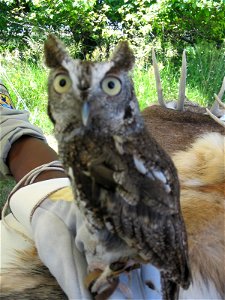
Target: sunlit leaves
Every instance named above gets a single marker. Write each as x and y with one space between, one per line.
88 24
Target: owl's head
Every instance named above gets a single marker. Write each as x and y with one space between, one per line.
91 96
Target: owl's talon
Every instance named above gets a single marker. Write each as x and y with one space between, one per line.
106 293
91 278
101 287
105 280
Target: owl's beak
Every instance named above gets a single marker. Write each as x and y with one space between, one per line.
85 113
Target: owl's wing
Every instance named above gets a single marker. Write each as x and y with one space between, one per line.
158 223
141 203
148 175
155 230
158 233
138 176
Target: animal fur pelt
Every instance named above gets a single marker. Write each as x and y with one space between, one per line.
201 173
27 278
202 176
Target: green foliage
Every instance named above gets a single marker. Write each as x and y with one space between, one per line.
29 80
145 87
6 186
207 65
205 72
186 22
87 25
92 28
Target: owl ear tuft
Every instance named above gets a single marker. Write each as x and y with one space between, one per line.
55 52
123 56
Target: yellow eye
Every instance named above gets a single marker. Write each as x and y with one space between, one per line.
111 86
62 83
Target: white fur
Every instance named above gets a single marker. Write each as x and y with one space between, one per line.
200 290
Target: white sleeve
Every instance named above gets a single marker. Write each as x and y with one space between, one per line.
14 124
58 229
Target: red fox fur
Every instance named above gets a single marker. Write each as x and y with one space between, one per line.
201 172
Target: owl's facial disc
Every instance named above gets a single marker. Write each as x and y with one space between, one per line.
85 112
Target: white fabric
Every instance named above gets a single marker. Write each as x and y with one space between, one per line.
56 248
26 199
11 240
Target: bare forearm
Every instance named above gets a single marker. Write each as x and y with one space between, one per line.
28 153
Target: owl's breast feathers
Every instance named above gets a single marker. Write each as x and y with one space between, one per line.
129 186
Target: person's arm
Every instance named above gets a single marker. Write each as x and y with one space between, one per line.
46 209
28 153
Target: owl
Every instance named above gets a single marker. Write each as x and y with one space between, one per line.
124 183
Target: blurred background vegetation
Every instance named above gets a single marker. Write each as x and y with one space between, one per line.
91 29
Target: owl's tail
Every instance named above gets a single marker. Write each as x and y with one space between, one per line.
170 289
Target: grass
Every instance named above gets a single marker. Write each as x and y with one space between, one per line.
206 67
206 71
29 80
6 186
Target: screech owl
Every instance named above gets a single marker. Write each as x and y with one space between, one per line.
124 184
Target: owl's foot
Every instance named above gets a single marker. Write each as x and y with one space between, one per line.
105 282
99 285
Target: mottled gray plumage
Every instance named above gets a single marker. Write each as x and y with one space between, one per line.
124 183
